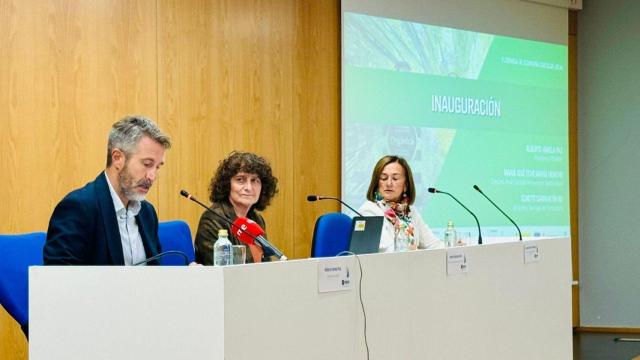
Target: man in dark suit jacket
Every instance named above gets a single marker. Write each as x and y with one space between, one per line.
108 222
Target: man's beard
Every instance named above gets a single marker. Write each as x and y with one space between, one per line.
128 187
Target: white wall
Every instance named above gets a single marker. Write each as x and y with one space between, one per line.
609 162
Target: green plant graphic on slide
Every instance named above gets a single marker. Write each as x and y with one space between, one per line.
379 43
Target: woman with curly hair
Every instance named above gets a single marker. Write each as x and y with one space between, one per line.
242 185
391 194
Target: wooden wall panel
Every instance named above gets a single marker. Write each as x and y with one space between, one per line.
248 75
252 75
13 343
316 115
573 163
69 70
255 76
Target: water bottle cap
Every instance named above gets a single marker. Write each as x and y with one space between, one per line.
223 232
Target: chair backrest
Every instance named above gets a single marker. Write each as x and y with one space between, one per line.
175 235
17 253
331 235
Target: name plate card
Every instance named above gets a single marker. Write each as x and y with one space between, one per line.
456 261
531 253
334 274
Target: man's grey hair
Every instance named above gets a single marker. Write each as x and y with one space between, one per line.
127 132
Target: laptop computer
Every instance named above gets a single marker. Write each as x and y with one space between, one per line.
365 234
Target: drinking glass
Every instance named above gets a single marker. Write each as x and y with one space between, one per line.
238 254
463 238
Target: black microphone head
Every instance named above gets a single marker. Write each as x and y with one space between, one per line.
432 190
184 193
477 188
312 197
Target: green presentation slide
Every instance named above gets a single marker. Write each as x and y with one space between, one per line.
464 108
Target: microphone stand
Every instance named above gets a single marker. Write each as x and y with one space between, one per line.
316 198
497 207
163 254
433 190
227 221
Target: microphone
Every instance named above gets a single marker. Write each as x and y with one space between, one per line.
434 190
233 225
163 254
312 198
186 194
245 227
497 207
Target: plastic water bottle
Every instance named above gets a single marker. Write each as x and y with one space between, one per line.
222 249
450 235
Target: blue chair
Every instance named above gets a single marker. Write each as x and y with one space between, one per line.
331 235
175 235
17 253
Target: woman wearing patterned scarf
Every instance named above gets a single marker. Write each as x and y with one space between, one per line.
391 194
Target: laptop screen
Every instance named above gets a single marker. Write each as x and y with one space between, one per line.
365 234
